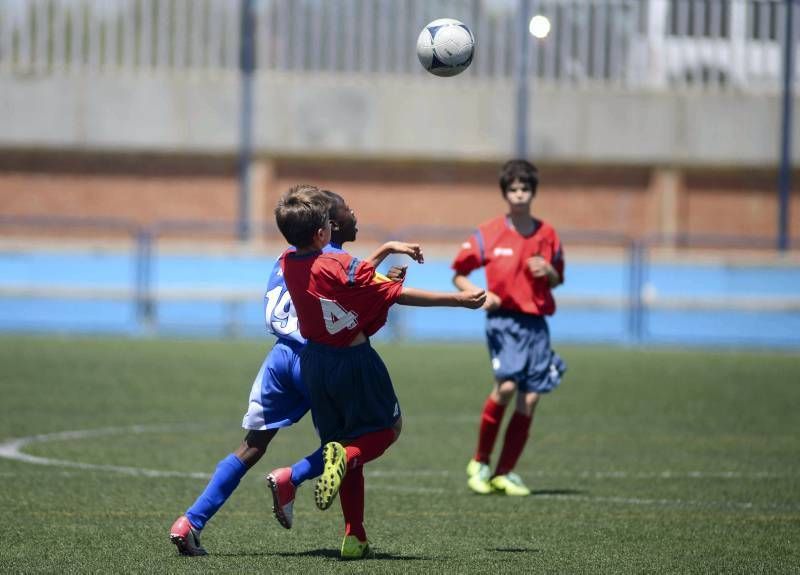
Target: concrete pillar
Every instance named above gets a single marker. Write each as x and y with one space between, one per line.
262 176
666 191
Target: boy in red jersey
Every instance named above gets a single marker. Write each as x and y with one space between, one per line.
341 301
524 262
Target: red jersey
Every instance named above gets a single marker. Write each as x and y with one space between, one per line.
336 296
504 252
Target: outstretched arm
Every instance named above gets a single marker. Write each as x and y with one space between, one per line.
462 282
472 299
414 251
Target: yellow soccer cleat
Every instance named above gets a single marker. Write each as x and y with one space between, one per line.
334 460
473 467
510 484
352 548
479 475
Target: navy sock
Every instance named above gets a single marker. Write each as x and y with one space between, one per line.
225 479
307 468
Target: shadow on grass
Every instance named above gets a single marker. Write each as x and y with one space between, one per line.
323 553
513 550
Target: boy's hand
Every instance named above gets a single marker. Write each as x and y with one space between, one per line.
397 273
540 267
492 301
473 299
414 251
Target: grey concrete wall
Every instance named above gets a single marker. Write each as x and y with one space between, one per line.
388 117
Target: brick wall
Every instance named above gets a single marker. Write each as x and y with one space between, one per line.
393 195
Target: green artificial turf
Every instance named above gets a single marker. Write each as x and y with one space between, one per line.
643 461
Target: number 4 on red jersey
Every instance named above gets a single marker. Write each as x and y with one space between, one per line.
336 317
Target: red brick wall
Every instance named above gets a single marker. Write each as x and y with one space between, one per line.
142 199
396 196
388 195
141 189
734 203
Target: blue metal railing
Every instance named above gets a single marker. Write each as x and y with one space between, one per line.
638 289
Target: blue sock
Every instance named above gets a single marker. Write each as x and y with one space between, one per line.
225 479
307 468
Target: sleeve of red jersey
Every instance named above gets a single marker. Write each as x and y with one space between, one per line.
558 256
469 257
362 276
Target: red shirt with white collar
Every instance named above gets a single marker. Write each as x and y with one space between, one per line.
503 251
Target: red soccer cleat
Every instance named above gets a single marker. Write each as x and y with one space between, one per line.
280 484
186 538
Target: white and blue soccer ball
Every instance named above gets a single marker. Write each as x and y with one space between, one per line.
445 47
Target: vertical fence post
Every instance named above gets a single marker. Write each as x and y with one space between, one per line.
233 328
636 263
246 71
521 115
145 307
785 175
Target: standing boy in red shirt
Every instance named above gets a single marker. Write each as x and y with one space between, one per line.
524 262
341 301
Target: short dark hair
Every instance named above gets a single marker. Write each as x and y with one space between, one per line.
300 212
521 170
336 201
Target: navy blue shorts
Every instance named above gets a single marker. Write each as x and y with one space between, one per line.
519 345
351 391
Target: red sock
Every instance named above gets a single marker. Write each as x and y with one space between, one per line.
368 447
351 497
490 424
516 438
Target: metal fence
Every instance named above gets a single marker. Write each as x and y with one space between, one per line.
630 295
653 44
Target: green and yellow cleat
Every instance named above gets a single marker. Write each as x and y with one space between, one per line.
479 476
474 467
510 484
334 460
352 548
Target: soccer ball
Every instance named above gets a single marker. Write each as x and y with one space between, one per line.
445 47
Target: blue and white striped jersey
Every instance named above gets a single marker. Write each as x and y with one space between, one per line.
278 309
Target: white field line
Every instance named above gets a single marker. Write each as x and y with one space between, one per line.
596 474
12 449
673 502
